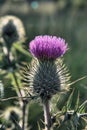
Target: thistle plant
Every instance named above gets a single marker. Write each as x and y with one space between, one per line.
45 78
47 75
12 33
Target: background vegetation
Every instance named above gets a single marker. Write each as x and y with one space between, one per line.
64 18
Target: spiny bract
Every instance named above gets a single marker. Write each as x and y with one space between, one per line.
46 77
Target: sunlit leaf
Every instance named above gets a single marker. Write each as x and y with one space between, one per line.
21 49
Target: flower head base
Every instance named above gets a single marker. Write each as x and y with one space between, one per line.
48 47
46 77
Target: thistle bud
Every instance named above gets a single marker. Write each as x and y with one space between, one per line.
11 30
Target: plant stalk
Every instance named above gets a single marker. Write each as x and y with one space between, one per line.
25 115
47 116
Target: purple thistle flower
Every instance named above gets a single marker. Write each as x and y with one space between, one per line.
48 47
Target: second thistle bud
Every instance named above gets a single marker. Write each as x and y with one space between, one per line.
11 30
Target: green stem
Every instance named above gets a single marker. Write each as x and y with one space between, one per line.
7 54
25 115
23 102
47 116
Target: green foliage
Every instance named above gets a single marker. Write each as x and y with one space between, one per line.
69 21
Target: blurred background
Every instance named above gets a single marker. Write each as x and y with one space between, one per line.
64 18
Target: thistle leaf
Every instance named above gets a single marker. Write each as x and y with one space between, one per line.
69 102
21 49
82 107
77 103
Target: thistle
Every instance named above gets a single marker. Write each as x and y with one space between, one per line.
11 30
47 74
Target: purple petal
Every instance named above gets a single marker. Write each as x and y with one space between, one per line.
48 47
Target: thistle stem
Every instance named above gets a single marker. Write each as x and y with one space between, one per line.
25 115
23 120
47 116
7 54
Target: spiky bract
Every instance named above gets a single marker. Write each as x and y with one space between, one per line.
47 77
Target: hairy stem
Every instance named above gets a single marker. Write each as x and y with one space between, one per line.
25 115
47 116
